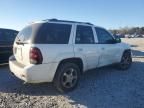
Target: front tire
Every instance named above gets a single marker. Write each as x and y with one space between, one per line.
67 77
126 61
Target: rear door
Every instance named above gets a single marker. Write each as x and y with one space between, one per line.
109 49
85 45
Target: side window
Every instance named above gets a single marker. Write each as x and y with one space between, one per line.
51 33
104 37
84 35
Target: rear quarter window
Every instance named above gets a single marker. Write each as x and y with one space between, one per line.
51 33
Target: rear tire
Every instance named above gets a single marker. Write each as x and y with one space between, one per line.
126 61
67 77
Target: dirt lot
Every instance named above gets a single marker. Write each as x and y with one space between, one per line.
99 88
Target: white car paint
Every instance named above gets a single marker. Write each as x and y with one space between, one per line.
34 73
92 56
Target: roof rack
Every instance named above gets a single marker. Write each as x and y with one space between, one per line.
56 20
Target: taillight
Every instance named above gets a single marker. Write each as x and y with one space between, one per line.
35 56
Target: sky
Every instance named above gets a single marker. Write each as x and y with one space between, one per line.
110 14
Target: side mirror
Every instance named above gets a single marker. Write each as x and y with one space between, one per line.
118 40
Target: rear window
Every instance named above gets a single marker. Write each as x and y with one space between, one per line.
51 33
25 34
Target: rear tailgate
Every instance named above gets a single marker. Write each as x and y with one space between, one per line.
22 45
21 53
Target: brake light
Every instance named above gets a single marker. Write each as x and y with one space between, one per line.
35 56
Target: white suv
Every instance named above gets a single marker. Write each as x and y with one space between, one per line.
60 51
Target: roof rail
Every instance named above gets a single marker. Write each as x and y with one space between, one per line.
56 20
53 19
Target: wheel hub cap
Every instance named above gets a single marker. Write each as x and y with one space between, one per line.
69 78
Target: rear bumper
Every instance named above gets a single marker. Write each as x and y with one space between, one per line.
33 73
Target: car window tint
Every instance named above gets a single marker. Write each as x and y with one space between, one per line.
25 34
103 36
13 36
84 35
51 33
9 35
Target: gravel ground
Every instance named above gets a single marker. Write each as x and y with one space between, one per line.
100 88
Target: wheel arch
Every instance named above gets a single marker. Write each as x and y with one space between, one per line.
126 50
75 60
